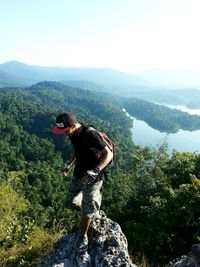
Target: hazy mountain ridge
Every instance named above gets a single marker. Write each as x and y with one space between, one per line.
32 74
143 85
158 79
8 80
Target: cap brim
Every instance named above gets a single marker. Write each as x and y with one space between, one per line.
56 130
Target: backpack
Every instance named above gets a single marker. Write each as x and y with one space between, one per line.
110 144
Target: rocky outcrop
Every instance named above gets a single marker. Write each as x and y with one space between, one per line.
192 259
107 247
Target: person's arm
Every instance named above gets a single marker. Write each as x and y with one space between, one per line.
91 175
69 163
107 156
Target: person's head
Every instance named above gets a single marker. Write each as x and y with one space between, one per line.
65 124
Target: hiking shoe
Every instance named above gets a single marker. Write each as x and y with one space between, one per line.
83 259
83 244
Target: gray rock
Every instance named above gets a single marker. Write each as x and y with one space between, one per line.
107 247
192 259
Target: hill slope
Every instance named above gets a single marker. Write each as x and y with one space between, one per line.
161 117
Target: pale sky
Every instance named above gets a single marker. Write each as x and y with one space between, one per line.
127 35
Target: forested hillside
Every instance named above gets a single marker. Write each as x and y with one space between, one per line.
155 197
161 117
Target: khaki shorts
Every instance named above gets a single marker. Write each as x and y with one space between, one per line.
88 198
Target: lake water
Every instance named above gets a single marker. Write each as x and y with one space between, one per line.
183 141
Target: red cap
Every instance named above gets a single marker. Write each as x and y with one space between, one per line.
57 130
63 121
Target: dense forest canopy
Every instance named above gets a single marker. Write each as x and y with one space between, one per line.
14 73
154 196
161 117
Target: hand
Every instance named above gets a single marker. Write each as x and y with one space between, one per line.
91 176
65 169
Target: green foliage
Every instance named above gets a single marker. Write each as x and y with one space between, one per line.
11 204
161 117
181 166
155 197
18 231
22 243
116 193
33 157
161 218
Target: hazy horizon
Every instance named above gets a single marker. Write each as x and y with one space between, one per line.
166 78
128 35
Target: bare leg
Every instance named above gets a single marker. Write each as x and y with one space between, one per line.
76 207
83 245
77 201
85 224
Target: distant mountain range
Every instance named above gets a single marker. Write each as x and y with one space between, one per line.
169 87
14 73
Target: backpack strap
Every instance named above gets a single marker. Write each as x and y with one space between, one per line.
87 130
103 136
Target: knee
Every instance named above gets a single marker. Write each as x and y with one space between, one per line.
76 207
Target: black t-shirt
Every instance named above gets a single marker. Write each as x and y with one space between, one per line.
87 146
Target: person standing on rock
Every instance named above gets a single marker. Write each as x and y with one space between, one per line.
91 155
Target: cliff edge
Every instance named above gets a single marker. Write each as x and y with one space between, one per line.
107 247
